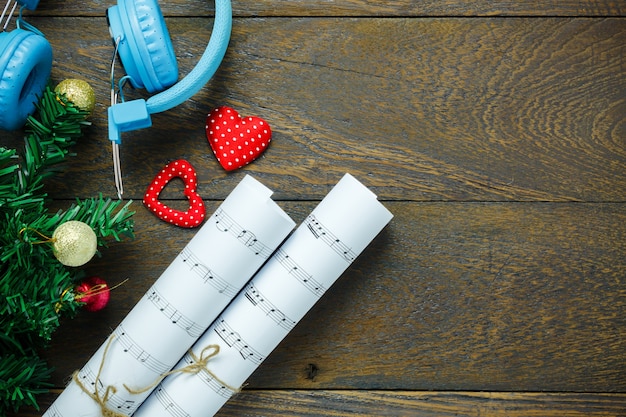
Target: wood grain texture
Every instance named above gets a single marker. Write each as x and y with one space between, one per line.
362 8
451 296
493 130
420 404
342 403
422 110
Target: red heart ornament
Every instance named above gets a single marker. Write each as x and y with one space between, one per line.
236 141
182 169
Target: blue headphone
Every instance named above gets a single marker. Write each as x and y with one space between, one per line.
144 47
143 44
25 65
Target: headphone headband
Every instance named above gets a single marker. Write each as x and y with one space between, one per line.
135 114
206 67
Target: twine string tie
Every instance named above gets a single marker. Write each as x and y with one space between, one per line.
198 365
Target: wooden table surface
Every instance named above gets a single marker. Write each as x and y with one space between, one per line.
495 131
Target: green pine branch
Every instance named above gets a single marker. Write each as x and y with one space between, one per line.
14 369
35 288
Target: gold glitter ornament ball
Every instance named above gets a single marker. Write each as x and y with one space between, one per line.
78 92
74 243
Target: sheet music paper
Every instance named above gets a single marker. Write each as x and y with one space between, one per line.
212 268
271 304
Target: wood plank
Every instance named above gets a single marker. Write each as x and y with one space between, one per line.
362 8
451 296
275 403
421 404
421 109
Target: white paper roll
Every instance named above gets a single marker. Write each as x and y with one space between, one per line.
271 304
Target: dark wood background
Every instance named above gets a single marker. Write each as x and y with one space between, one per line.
495 131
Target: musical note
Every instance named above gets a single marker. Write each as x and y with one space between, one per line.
257 299
130 346
225 223
88 379
144 357
321 232
211 381
207 275
168 403
247 237
192 328
175 317
301 275
127 406
233 339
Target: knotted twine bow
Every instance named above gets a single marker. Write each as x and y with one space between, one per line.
199 364
110 390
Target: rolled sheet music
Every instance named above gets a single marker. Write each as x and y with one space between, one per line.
182 303
271 304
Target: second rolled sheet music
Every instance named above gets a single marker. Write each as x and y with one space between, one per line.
271 304
212 268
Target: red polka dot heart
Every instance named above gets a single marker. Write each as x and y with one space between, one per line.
182 169
236 141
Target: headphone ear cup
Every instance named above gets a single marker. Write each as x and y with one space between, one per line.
145 48
25 65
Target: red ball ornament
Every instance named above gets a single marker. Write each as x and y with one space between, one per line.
94 292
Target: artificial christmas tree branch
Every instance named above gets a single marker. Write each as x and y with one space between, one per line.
35 287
